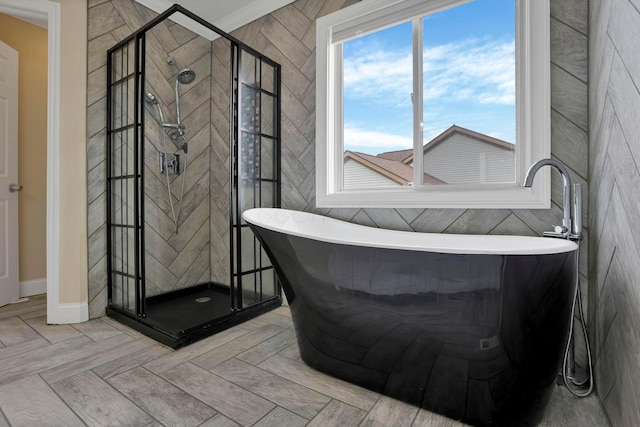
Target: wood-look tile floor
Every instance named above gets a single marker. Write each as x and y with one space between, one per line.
102 373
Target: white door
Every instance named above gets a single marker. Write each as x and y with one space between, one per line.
9 290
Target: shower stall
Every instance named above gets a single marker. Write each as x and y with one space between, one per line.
193 140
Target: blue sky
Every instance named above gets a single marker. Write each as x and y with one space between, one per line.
468 78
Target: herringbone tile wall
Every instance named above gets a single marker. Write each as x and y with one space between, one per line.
288 37
176 258
220 152
614 155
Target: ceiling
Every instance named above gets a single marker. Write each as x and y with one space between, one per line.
227 15
24 13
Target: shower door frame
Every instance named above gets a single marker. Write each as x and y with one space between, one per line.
136 317
137 176
236 173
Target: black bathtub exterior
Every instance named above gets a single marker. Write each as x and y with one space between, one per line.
478 338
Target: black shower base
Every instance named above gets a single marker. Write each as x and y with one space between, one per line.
180 310
181 317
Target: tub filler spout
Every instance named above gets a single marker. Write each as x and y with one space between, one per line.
571 226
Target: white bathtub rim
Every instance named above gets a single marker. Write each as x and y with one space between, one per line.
326 229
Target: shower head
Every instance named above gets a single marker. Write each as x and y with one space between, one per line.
186 76
151 98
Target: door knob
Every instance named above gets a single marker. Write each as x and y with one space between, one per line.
14 187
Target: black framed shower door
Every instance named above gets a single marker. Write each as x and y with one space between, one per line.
245 285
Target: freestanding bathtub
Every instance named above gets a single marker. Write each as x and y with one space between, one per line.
469 326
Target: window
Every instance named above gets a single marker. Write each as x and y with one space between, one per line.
440 103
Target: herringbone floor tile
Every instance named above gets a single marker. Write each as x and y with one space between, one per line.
103 373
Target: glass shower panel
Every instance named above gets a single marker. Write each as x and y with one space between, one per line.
267 166
248 245
250 109
268 77
123 198
123 62
124 102
248 67
257 175
122 152
268 193
248 196
121 179
123 267
220 163
267 108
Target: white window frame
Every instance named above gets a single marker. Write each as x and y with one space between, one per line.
533 112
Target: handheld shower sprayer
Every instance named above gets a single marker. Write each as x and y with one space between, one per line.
151 98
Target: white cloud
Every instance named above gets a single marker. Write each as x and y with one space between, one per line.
471 70
359 139
379 74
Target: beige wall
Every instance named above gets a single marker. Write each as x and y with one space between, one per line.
31 43
72 196
73 152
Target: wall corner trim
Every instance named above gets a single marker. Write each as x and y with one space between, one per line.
71 313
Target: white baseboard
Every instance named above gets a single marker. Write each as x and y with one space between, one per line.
33 287
70 313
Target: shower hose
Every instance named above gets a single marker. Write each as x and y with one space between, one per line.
576 385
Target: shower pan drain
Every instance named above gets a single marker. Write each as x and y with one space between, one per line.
203 299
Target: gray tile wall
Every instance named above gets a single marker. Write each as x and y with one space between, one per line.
288 37
614 153
220 152
176 258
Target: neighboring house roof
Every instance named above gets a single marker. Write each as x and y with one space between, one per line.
397 156
397 165
392 169
446 134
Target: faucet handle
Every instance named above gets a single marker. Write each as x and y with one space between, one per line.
577 209
559 231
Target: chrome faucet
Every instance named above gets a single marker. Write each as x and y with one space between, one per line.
571 226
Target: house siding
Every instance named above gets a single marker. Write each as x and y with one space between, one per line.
461 159
357 175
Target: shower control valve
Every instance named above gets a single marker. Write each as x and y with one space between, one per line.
169 163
